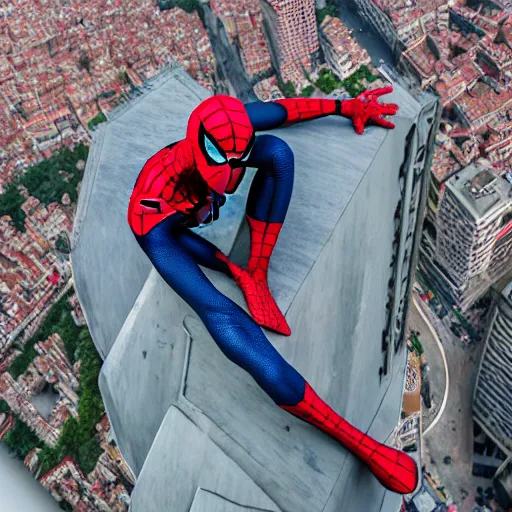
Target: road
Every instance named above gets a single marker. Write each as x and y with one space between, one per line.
436 372
364 34
19 491
452 435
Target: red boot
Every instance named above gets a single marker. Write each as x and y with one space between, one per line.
394 469
253 281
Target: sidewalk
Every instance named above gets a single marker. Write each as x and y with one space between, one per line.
448 445
436 363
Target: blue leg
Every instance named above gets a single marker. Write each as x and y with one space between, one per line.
271 189
203 251
237 335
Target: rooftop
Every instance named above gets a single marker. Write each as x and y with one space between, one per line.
181 412
482 192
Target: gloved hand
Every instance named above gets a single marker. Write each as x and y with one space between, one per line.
365 109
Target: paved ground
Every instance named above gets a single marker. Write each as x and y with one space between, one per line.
364 34
452 436
436 372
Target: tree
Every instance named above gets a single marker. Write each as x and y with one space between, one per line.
353 84
329 10
288 89
78 437
186 5
100 118
50 179
107 94
62 244
20 439
4 407
88 454
22 362
51 323
328 81
10 204
307 91
64 505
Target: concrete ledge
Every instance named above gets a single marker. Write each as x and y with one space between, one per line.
200 464
341 272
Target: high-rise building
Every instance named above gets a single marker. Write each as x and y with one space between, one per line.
342 52
401 24
196 429
492 402
377 14
474 232
291 29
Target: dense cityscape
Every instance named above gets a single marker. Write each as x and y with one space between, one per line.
65 68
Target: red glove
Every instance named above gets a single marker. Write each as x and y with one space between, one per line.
365 109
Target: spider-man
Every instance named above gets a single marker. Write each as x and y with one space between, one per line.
184 185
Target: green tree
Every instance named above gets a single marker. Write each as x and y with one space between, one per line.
88 454
328 81
50 325
22 362
107 94
61 244
64 505
20 439
328 10
307 91
78 439
50 179
353 84
4 407
288 89
186 5
80 153
100 118
10 204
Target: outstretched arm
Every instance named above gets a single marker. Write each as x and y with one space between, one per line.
363 110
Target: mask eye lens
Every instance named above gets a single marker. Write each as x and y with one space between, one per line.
213 152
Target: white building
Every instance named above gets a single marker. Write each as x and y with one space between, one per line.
492 403
474 232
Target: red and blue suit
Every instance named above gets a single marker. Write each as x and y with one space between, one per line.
185 185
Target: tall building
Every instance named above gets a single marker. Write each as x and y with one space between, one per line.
492 402
474 232
342 52
400 24
195 429
376 13
291 29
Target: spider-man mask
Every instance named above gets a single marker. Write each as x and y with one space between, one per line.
221 135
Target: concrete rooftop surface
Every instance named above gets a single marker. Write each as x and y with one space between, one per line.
484 205
196 430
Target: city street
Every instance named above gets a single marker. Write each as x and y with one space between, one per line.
448 446
364 34
436 372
